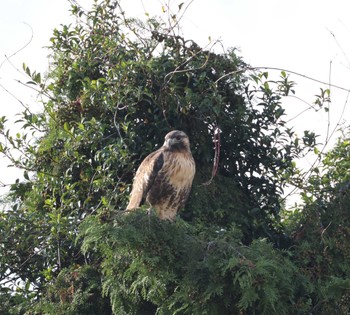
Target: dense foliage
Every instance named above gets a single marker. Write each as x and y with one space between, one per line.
116 86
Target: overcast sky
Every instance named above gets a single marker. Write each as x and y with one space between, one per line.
310 37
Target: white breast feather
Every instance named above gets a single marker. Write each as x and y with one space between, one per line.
183 172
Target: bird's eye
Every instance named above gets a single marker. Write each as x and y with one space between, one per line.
178 137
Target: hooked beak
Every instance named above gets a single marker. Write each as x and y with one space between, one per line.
168 143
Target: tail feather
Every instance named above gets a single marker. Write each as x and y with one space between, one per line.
135 201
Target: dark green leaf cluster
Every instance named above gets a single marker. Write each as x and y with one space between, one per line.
156 267
320 231
77 290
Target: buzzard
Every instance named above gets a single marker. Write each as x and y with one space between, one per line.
164 178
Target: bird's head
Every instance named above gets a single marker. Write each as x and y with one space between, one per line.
177 140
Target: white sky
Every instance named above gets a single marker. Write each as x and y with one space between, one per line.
294 35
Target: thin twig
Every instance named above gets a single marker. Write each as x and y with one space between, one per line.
340 47
310 106
22 48
182 15
329 110
116 124
171 73
281 69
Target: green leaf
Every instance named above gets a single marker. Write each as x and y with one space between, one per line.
66 126
37 78
81 126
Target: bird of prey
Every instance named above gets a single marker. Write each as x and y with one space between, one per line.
164 178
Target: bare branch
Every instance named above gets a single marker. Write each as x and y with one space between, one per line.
281 69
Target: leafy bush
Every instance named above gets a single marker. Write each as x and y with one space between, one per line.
152 266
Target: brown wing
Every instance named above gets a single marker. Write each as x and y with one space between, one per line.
144 178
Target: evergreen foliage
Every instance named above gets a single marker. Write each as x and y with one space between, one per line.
116 86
